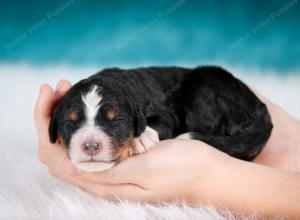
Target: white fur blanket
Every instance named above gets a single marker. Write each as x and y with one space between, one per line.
28 192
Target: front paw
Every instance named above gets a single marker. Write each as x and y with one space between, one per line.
145 141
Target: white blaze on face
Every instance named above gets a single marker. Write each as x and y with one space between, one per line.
91 102
89 132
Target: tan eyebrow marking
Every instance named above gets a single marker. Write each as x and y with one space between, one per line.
73 116
111 113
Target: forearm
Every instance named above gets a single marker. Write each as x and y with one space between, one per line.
245 187
283 147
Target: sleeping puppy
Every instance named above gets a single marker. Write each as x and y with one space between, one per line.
118 113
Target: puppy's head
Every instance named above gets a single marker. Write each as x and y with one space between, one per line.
96 124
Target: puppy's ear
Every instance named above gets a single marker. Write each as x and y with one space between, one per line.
139 123
53 126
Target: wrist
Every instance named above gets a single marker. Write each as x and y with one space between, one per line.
245 187
215 169
282 149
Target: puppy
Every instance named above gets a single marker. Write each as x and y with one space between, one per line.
118 113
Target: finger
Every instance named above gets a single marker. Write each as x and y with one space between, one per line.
43 111
62 88
45 105
52 155
45 101
108 191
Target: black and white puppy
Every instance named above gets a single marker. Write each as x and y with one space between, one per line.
116 113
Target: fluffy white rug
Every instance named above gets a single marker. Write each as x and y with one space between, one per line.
26 189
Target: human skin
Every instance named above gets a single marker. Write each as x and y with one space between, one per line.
189 169
283 147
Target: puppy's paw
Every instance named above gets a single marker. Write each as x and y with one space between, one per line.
145 141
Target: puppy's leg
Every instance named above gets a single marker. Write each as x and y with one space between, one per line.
223 112
145 141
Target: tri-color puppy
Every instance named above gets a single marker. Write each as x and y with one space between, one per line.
117 113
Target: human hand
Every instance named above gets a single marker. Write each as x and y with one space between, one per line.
166 173
282 150
58 163
54 156
177 169
174 169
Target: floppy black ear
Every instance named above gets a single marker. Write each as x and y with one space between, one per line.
139 123
54 125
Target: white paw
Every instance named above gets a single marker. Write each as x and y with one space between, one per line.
145 141
184 136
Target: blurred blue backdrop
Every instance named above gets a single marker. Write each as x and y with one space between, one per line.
250 33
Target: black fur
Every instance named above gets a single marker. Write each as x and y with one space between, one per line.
206 101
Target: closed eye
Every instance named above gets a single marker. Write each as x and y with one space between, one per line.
119 119
72 115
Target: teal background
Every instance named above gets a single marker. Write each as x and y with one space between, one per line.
78 32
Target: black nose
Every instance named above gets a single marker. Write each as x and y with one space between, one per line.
91 148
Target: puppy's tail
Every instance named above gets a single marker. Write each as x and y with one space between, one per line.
244 141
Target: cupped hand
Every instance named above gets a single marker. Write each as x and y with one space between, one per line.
186 169
168 172
53 155
173 169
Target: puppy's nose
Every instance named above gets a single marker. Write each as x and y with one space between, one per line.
91 148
